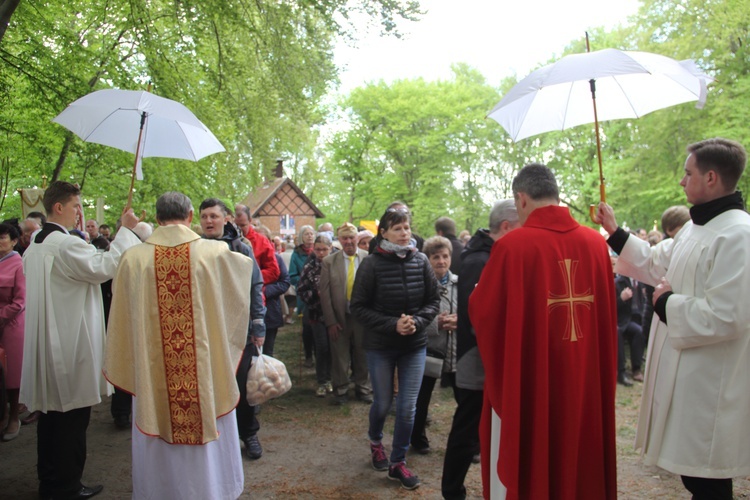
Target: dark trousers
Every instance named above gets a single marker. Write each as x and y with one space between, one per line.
308 340
270 341
418 432
122 404
708 489
322 352
463 442
633 335
247 422
61 450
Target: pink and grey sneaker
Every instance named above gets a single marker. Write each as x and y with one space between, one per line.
399 472
379 458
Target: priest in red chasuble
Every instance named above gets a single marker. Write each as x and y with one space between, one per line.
545 318
177 328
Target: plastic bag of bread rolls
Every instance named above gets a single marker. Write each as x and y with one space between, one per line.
266 379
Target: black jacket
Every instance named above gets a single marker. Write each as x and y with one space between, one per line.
473 259
456 253
387 286
257 326
629 310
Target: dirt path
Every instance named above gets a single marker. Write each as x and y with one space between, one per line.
314 450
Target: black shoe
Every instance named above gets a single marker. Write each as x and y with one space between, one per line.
340 400
84 492
422 450
476 459
625 380
253 449
365 398
122 422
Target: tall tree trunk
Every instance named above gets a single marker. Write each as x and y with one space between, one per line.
6 11
5 162
63 156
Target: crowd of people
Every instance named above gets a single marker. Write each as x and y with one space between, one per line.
523 320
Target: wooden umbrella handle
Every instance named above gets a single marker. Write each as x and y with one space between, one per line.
135 163
602 193
592 207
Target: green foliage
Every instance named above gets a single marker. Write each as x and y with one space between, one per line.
425 143
649 153
428 144
256 73
253 72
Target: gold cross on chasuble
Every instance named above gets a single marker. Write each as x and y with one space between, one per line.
570 299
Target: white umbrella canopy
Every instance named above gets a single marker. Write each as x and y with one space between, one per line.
628 85
141 123
112 117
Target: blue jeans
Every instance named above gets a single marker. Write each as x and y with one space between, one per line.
382 364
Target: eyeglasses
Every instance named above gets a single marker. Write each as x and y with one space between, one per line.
402 210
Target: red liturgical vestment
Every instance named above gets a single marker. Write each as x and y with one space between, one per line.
546 323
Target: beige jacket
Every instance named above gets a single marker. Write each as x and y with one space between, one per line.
332 287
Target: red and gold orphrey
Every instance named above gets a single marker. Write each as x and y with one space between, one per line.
178 342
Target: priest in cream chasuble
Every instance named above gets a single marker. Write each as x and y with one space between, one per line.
178 325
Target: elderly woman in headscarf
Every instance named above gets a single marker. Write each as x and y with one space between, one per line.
363 239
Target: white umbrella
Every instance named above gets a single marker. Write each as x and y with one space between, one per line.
620 84
628 85
141 123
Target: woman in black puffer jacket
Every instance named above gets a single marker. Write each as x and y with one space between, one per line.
395 297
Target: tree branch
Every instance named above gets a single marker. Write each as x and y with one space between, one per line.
63 155
7 7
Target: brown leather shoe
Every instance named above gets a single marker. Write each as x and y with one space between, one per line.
638 376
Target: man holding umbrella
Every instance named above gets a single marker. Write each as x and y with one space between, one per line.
64 338
696 394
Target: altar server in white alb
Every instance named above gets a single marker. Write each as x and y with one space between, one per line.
695 413
64 338
177 328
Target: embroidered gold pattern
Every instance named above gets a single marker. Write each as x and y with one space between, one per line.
178 342
570 299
